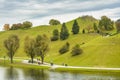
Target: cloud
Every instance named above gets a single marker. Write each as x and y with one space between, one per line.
65 10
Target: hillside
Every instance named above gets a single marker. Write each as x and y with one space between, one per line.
97 50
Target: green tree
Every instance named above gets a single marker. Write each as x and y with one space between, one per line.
83 31
76 50
118 25
75 28
95 27
29 47
16 26
27 24
11 44
41 46
64 48
105 23
64 34
54 22
55 35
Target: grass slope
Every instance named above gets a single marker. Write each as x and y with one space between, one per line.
97 51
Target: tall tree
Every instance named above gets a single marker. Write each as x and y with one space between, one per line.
105 23
41 46
75 27
64 34
118 25
11 44
29 47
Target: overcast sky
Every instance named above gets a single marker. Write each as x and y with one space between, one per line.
41 11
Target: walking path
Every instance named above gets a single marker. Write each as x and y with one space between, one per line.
75 67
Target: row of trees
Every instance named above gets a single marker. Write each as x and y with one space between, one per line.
64 33
24 25
33 47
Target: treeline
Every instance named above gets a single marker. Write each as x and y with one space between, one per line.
24 25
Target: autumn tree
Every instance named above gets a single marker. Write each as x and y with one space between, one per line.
11 44
6 27
75 27
41 46
64 34
29 47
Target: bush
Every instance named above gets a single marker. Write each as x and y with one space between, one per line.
64 49
76 50
54 38
55 35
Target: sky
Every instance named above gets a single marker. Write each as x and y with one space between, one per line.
39 12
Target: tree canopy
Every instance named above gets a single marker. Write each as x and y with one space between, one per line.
54 22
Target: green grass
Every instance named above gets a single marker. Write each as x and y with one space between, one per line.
19 64
98 51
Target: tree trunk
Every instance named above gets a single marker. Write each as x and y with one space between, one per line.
32 59
42 59
11 59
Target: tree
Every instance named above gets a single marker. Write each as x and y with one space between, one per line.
95 27
64 48
75 28
27 24
54 22
64 34
41 46
89 28
11 44
76 50
105 23
118 25
83 31
29 47
16 26
6 27
55 35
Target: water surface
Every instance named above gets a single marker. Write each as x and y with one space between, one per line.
11 73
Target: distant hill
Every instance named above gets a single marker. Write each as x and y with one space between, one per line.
97 50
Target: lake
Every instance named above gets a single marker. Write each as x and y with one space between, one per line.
11 73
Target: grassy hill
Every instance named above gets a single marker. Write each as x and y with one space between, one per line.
97 50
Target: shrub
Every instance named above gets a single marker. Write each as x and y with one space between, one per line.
64 48
76 50
55 35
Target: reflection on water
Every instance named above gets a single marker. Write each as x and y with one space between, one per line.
39 74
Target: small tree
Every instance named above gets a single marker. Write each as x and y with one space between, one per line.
41 46
83 31
54 22
118 25
27 24
29 47
64 48
64 34
11 44
55 35
75 28
6 27
76 50
95 27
